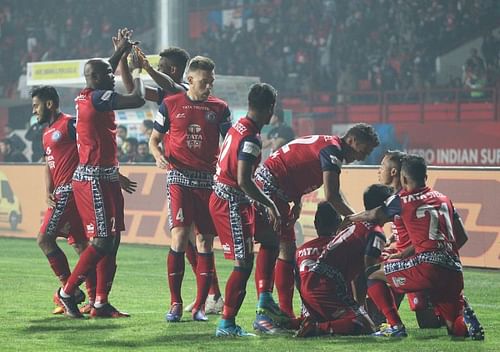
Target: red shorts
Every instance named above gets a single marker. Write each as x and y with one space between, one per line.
235 225
189 205
327 299
443 286
63 220
100 204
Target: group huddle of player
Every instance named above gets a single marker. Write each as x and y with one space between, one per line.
224 190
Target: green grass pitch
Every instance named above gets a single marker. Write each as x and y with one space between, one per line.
140 288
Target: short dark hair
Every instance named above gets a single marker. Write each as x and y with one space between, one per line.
177 56
396 157
143 143
415 167
131 140
326 219
365 133
45 93
148 124
261 96
375 195
201 63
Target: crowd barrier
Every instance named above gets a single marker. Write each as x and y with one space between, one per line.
474 191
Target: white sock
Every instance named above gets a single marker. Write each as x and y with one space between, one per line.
63 294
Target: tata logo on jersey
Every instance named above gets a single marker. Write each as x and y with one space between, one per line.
194 137
180 115
90 228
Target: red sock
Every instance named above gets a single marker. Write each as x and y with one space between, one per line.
105 272
214 286
264 269
91 285
87 262
175 270
459 327
204 274
191 254
235 292
59 264
284 285
382 296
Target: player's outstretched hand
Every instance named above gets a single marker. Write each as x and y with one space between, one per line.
127 184
142 58
275 219
51 200
137 58
294 214
161 162
123 40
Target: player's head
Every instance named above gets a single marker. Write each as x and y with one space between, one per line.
173 62
390 167
359 141
99 74
261 101
45 103
375 195
326 219
413 172
201 77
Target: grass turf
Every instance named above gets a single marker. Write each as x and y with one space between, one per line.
140 288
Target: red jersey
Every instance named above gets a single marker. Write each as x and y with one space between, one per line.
96 128
427 215
307 254
242 142
193 127
59 146
399 232
298 166
346 251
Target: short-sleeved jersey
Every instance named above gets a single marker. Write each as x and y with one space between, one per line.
399 232
428 217
193 127
96 128
298 166
242 142
60 151
346 251
307 254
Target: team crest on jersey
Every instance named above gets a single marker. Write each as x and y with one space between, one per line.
90 228
56 136
210 116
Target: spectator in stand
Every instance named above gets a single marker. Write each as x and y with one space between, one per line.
129 150
280 133
121 136
474 65
34 135
145 129
490 49
10 153
16 141
143 155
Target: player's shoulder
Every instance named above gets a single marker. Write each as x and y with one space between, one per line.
212 99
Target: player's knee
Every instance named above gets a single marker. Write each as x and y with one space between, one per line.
104 245
287 250
205 243
45 242
79 247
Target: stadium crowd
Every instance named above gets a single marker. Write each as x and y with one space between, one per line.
346 45
61 30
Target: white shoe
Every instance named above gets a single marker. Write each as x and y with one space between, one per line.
189 307
214 306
